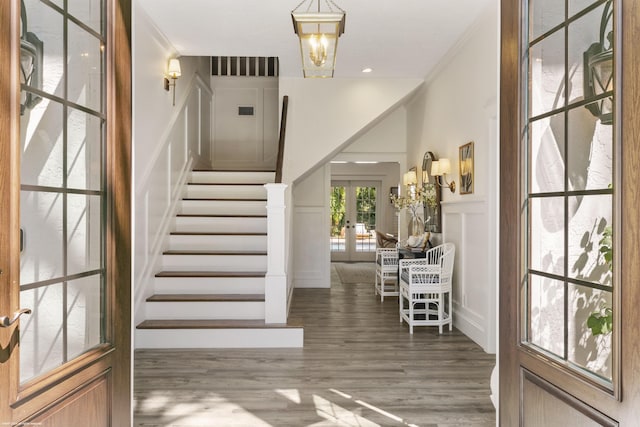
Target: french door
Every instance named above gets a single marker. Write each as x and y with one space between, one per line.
570 213
354 205
65 108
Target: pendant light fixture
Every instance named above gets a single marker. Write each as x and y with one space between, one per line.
318 30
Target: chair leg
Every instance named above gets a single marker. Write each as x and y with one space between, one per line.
375 286
382 288
401 305
411 317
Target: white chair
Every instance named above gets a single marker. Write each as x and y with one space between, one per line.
386 272
425 285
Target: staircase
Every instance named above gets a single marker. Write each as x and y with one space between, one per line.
211 290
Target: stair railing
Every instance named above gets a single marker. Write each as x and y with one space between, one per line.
275 295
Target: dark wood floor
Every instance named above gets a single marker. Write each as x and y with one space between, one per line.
359 367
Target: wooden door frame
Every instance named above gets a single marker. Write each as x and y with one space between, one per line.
624 404
63 381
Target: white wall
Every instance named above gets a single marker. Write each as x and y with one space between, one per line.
245 142
168 142
458 105
326 115
311 262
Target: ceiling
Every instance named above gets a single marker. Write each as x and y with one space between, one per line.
396 38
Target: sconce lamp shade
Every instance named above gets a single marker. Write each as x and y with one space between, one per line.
440 168
174 70
318 32
435 168
410 178
445 166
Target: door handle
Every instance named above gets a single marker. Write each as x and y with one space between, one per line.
5 321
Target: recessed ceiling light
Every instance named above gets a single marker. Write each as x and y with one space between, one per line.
338 162
367 70
362 162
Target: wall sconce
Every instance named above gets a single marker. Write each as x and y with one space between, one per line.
410 178
31 65
599 70
173 72
440 169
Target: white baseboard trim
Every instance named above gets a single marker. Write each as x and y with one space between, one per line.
467 324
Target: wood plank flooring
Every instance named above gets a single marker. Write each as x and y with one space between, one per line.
359 367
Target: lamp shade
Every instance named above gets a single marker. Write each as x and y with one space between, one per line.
445 166
318 33
174 70
412 178
435 168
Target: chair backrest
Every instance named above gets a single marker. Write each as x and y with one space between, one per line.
433 255
385 241
446 262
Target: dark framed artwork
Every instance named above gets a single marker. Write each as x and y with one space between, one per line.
432 216
466 168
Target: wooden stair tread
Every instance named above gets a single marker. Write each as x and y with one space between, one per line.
212 274
234 170
198 233
212 324
206 298
221 199
206 252
219 216
227 183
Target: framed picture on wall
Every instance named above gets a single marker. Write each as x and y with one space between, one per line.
466 168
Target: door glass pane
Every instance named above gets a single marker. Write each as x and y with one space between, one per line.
547 314
365 219
583 32
84 62
42 50
568 217
62 198
338 206
41 219
41 333
87 11
547 154
84 305
589 351
546 74
42 141
545 14
84 137
590 157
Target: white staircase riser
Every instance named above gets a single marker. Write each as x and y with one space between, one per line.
209 285
236 310
220 225
219 338
223 207
221 177
214 262
226 192
218 242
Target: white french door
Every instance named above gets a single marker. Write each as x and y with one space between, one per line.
354 206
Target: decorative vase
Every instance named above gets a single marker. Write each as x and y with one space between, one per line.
417 225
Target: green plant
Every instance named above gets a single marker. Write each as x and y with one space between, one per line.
601 322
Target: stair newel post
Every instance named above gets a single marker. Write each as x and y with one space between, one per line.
275 294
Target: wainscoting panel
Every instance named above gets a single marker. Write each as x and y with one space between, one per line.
160 187
310 248
465 223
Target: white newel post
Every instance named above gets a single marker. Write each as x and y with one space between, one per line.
275 294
